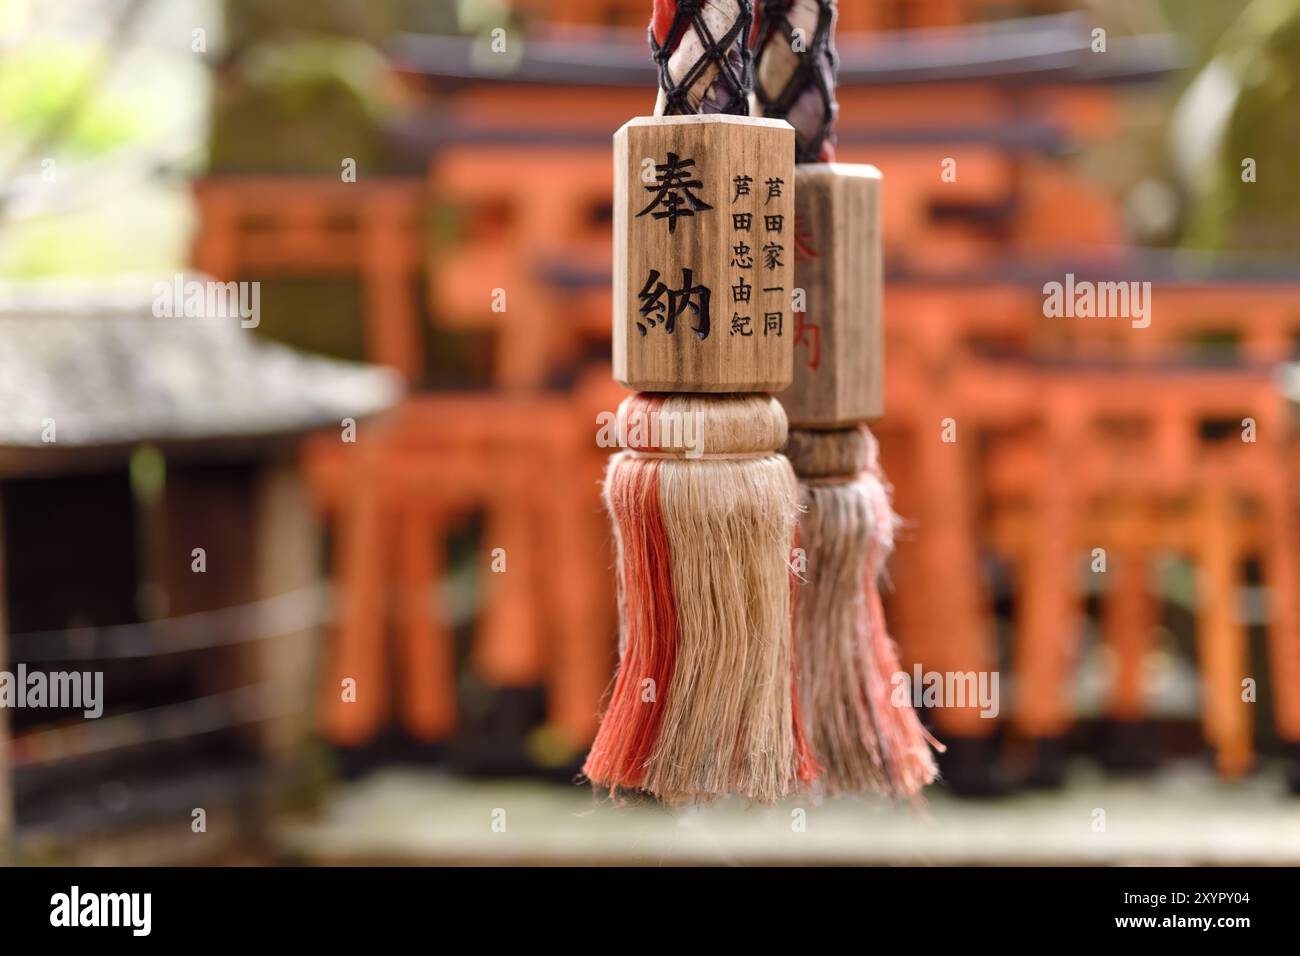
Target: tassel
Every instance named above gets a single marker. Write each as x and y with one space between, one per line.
703 704
863 739
836 532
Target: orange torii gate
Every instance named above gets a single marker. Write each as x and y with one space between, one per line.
1083 482
510 227
393 497
931 336
395 494
290 225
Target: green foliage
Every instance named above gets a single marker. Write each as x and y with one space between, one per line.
256 21
38 82
302 107
1200 24
1261 54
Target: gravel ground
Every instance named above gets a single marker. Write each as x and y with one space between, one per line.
1182 815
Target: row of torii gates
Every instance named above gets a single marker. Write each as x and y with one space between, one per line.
1071 434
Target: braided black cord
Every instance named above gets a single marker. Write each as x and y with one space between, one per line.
724 52
816 68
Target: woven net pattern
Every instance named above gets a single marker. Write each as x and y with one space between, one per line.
704 63
799 33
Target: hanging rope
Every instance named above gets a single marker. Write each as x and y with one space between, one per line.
704 63
847 663
703 704
793 42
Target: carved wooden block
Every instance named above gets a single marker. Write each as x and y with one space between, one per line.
838 342
703 254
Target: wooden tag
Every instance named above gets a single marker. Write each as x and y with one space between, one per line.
704 238
838 341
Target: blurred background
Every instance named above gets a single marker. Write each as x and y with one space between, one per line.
343 565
